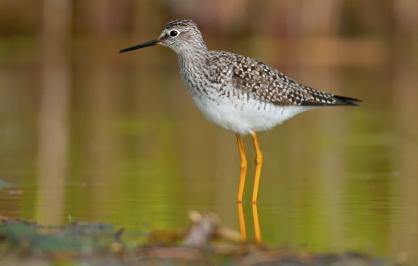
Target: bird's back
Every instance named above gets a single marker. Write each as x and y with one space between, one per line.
265 83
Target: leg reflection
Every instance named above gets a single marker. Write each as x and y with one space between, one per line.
241 220
257 232
256 223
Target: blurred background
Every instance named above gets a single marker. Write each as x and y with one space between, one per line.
89 134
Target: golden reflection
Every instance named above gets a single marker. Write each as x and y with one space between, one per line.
53 143
53 135
256 223
241 221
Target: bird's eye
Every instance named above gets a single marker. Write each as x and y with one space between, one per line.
174 33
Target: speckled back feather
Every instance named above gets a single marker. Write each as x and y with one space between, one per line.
265 83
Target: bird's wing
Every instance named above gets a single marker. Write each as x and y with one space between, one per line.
269 85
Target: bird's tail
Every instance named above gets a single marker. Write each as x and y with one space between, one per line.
342 100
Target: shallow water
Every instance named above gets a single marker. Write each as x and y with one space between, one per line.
116 139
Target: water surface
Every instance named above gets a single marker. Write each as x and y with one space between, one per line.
116 139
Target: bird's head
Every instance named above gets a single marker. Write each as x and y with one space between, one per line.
182 36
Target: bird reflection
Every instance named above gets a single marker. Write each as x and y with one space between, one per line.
241 221
257 232
242 226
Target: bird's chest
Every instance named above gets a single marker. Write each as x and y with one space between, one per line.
205 94
218 101
194 78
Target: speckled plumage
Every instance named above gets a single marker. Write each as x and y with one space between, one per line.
265 83
237 92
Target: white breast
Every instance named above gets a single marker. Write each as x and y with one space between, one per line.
244 117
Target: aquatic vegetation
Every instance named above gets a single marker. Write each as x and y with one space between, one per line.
204 242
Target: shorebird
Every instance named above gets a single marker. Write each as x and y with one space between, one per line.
236 92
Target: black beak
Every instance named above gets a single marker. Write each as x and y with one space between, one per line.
139 46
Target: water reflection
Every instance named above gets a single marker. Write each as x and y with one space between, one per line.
53 138
136 152
255 222
257 231
241 221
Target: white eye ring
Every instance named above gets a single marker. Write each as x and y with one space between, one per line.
174 33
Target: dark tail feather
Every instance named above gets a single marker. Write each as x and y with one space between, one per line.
342 100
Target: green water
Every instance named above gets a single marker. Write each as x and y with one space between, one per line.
117 139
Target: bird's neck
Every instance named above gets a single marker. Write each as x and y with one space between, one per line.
193 58
192 68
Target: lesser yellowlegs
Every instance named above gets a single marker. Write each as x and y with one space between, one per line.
236 92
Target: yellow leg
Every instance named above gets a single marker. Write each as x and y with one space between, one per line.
258 164
257 232
243 168
241 221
